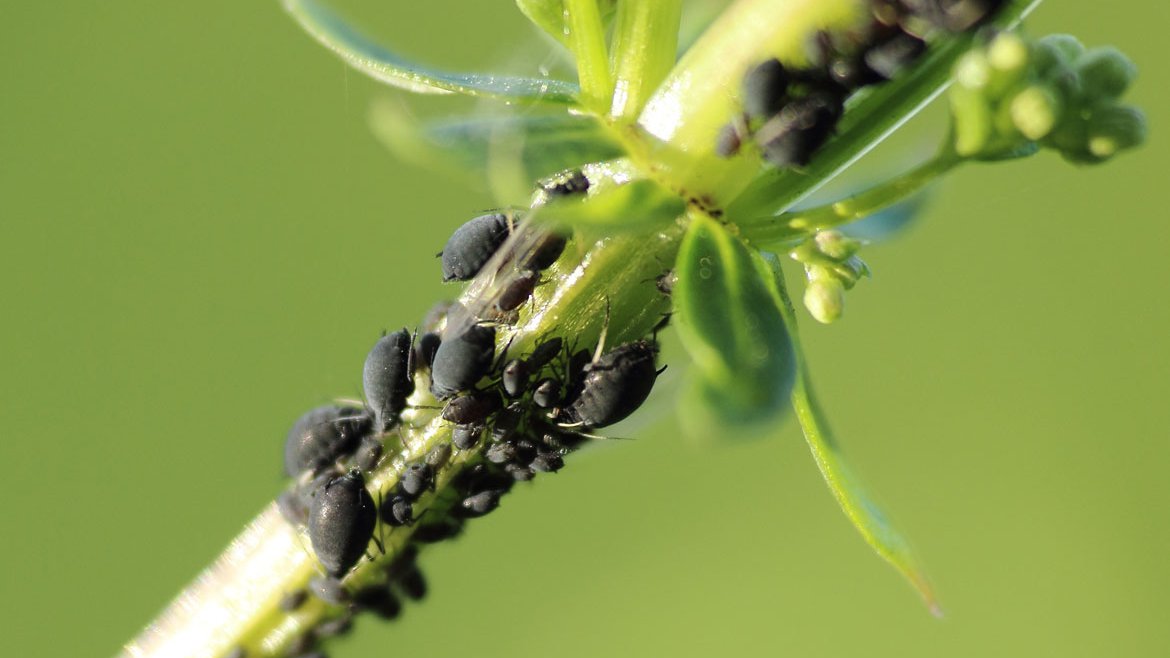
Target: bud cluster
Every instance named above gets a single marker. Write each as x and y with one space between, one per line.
1013 95
831 266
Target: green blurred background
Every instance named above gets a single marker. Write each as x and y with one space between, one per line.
199 239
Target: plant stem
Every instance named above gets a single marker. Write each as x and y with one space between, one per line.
644 45
587 41
235 602
777 230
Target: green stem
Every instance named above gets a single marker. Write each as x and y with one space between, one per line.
235 602
770 232
644 45
587 41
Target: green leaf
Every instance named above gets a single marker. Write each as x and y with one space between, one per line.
379 63
509 152
731 324
855 501
549 15
619 198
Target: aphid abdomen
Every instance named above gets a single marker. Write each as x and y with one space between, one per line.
615 385
387 378
341 523
322 436
462 360
471 246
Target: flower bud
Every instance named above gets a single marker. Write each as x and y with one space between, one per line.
971 114
836 245
1105 73
1055 52
1115 128
1007 56
824 297
1034 112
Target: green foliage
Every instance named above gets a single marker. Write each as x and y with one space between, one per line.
731 324
381 64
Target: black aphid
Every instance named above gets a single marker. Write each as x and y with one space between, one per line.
473 408
293 600
417 478
437 531
425 348
665 282
519 473
398 511
955 15
547 393
515 378
388 377
368 454
292 507
728 140
329 590
341 522
545 252
566 183
379 600
888 58
462 360
526 449
437 456
803 126
765 89
501 453
544 353
466 437
473 244
517 291
322 436
615 385
547 462
507 422
480 503
412 583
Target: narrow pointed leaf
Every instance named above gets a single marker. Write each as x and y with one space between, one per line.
731 324
855 501
385 66
522 147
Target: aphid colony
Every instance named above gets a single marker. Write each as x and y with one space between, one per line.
519 413
790 112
